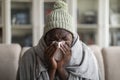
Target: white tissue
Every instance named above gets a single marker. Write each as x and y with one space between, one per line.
58 54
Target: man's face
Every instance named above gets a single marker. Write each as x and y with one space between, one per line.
58 35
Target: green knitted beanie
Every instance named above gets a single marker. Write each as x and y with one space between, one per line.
59 18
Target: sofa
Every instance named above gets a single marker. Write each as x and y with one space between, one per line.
108 61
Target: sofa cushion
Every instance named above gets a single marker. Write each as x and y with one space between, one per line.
9 57
97 51
111 57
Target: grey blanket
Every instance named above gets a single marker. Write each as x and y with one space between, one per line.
82 66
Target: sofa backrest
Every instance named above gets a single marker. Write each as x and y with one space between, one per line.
108 61
9 57
111 58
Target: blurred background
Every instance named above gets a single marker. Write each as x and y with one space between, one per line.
96 21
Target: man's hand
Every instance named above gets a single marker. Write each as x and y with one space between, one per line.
52 64
63 74
66 50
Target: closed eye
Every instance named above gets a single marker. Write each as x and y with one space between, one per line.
65 38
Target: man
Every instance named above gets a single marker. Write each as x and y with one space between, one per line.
59 55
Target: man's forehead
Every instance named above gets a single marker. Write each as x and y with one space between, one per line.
58 31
